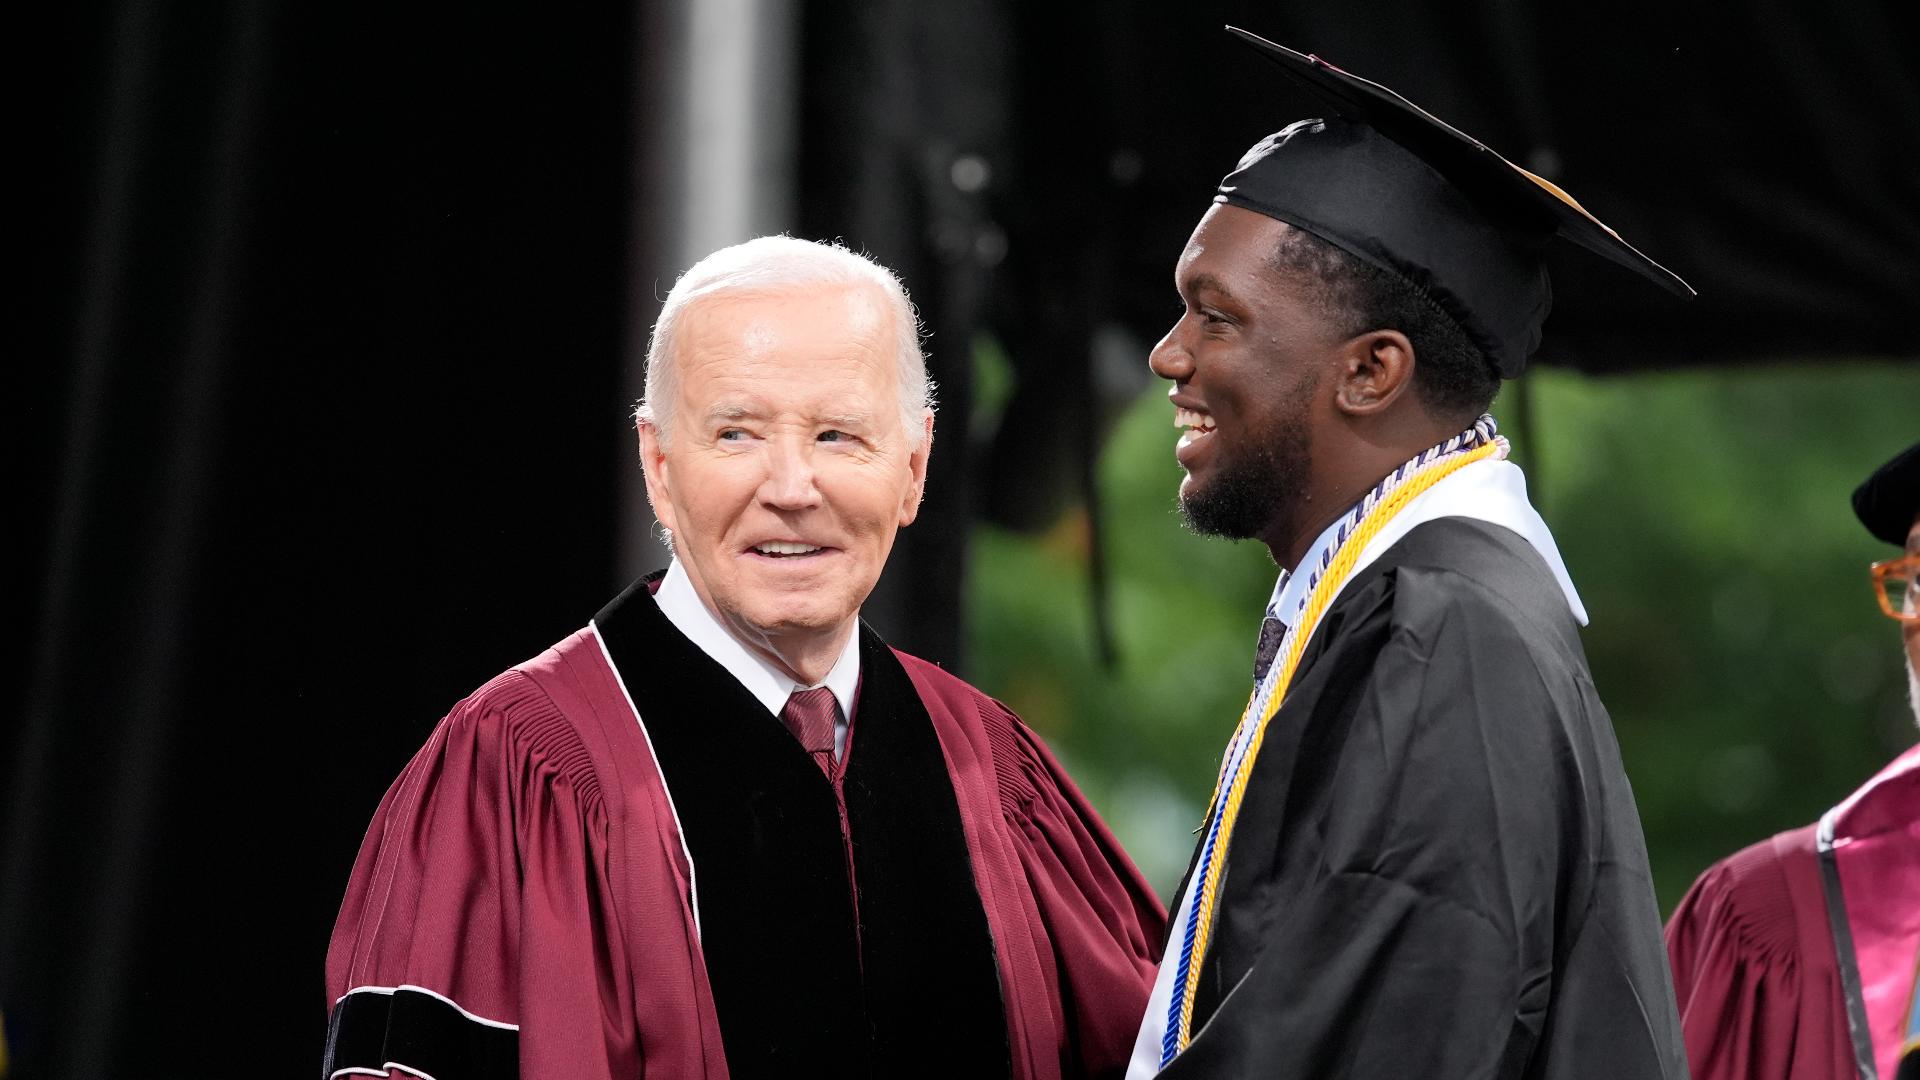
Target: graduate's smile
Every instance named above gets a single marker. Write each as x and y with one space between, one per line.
1196 429
1245 356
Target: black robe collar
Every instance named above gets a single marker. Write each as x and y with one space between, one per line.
805 979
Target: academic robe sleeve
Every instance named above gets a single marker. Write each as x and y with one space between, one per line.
1753 968
1433 805
477 937
1076 929
1101 917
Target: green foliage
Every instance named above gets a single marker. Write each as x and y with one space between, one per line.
1704 516
1144 739
1752 679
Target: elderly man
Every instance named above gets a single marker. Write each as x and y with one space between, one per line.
724 830
1423 857
1795 958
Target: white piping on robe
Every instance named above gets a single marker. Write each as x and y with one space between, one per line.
693 884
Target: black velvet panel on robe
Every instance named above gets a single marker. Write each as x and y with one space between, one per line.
1438 868
798 992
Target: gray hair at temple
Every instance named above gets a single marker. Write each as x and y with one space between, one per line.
780 264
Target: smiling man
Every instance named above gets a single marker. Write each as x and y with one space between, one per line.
1422 857
724 830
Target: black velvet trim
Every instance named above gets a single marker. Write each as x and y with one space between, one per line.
917 993
763 827
933 987
1846 959
420 1031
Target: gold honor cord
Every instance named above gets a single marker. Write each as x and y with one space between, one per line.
1317 603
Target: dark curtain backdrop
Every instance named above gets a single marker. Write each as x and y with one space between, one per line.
321 427
317 418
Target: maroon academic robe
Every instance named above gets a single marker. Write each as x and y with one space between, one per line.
611 862
1753 966
1752 943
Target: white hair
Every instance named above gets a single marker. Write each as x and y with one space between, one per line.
778 264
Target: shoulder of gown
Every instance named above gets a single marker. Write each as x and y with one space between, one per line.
476 928
1100 923
1753 967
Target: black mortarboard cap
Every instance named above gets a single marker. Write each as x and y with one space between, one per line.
1388 182
1887 502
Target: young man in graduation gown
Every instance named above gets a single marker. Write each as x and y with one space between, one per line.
1795 958
724 830
1423 858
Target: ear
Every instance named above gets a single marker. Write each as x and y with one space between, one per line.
653 461
1376 370
917 469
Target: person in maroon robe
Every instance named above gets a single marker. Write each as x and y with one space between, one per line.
724 830
1794 959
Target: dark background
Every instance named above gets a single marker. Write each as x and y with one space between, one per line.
327 338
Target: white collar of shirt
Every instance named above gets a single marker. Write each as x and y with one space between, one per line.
1491 491
768 684
1290 590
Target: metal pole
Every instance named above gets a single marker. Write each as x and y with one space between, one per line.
716 97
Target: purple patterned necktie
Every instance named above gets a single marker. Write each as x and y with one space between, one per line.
1271 631
810 715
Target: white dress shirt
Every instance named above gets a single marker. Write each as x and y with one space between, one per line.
768 684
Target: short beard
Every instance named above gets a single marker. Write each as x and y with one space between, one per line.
1248 496
1913 691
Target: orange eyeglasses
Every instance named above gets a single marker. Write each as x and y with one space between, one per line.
1897 583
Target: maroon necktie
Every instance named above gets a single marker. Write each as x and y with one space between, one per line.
810 715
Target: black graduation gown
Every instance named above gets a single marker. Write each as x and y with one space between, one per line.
1438 870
